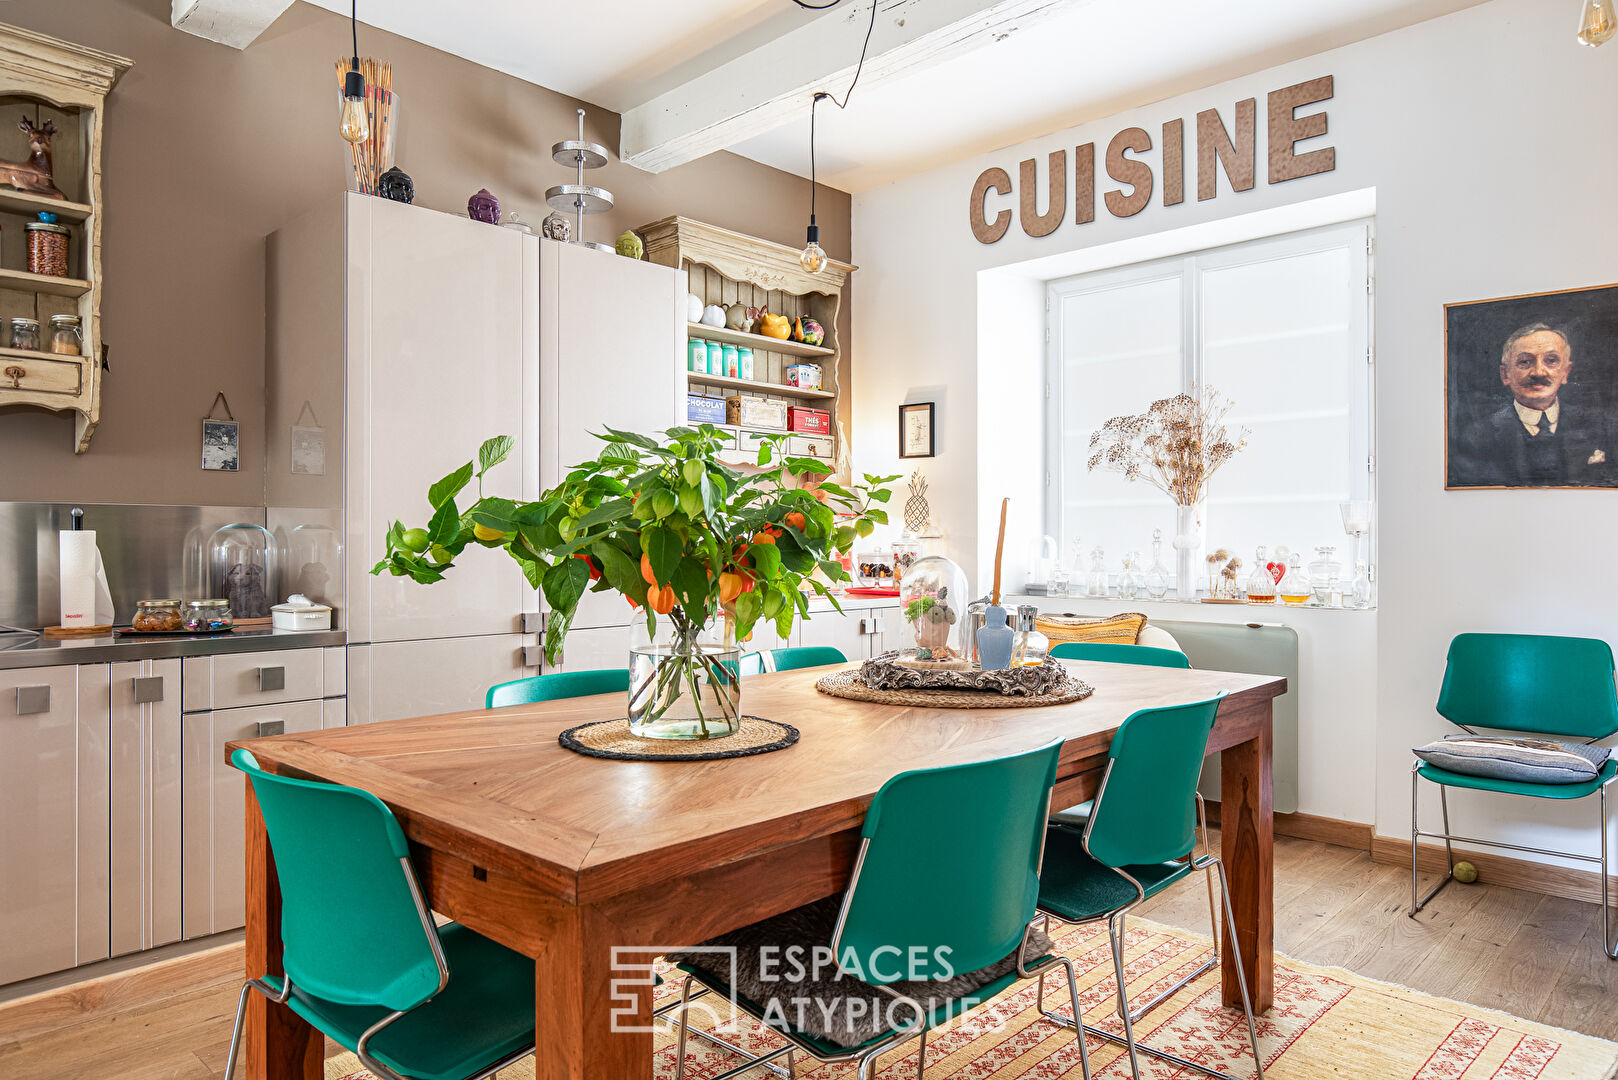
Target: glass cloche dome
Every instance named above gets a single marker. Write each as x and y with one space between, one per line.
932 601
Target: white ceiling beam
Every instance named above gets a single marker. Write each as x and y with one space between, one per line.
774 83
236 23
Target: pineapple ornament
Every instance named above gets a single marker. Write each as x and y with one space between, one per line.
918 515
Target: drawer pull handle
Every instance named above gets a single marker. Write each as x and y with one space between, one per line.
272 678
148 689
33 699
266 728
15 373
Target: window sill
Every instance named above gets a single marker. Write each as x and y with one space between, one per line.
1093 605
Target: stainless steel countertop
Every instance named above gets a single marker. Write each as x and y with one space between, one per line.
24 651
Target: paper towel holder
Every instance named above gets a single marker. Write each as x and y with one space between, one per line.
76 514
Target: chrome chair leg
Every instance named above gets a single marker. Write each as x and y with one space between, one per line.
685 1026
1241 976
921 1056
1115 935
1417 902
241 1015
1607 943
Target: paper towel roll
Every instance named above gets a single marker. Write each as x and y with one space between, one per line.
78 577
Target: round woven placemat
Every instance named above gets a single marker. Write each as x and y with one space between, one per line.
847 684
611 739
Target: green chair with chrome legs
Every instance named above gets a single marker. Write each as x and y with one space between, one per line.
896 936
1560 687
1119 653
363 961
805 656
555 685
1140 839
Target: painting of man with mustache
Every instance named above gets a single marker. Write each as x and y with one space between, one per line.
1530 391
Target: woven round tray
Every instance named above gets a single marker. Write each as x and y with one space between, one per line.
847 684
611 739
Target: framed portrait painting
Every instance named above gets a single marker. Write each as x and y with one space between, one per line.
1531 389
916 430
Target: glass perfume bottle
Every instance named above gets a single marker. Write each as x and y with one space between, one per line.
1157 577
1294 586
1095 582
1357 523
1129 582
1324 572
1261 583
1031 645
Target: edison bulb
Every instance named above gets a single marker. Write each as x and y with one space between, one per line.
812 258
351 121
1598 24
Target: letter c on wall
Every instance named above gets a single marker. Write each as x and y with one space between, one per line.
998 181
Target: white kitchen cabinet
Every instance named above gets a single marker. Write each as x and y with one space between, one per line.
845 632
145 804
592 648
886 626
54 836
394 679
215 800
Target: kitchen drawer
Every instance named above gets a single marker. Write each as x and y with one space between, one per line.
262 678
817 446
43 374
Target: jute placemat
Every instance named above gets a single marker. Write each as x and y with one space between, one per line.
612 739
847 684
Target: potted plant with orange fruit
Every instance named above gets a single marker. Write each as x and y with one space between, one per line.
707 552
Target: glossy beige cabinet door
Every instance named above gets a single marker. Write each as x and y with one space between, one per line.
397 679
442 353
612 354
846 632
145 804
53 819
214 817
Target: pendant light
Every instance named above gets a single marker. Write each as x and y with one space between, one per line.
351 123
1598 24
813 256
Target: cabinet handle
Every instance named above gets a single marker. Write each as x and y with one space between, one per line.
16 373
272 678
33 699
532 623
531 656
148 689
267 728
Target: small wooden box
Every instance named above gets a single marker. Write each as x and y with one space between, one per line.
756 413
808 421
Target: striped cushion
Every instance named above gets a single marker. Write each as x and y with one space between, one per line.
1533 761
1109 630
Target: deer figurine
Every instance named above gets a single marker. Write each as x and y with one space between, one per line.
33 175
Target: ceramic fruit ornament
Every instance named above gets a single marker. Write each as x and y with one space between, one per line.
775 326
693 307
811 332
736 317
713 315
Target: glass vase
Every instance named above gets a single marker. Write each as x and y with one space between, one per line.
1188 545
683 680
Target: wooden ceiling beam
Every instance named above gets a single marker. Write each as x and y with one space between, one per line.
236 23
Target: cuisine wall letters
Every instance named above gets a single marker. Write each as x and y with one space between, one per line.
1218 146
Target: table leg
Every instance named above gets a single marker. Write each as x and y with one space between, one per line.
1247 844
577 1035
277 1044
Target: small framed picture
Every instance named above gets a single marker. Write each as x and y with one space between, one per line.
916 430
221 445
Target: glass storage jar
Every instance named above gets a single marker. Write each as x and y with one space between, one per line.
207 616
47 248
1295 587
67 335
24 334
156 616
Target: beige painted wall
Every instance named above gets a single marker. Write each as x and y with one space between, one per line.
210 149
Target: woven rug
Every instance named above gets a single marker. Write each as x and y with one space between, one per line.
1327 1024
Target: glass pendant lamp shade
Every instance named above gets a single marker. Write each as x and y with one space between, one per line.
1598 23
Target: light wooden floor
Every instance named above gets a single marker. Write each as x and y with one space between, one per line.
1535 956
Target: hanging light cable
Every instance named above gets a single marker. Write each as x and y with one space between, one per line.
351 123
813 256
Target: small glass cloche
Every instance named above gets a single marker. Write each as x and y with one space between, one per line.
932 602
242 568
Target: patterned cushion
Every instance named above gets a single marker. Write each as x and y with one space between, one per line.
1533 761
1109 630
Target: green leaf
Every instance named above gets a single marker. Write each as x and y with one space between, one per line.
881 495
691 584
556 626
665 549
493 452
645 442
783 623
691 471
532 568
446 524
495 514
767 560
796 559
806 466
833 570
764 452
773 601
710 496
607 511
621 571
749 605
878 516
565 583
665 502
450 486
691 502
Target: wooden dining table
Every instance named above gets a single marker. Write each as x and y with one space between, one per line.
595 867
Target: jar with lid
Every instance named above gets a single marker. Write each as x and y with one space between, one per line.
1324 572
1295 587
1261 585
207 616
47 248
24 334
67 336
1030 646
156 616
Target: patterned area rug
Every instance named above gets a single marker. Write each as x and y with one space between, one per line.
1327 1024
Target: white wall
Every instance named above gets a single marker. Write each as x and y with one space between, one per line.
1485 138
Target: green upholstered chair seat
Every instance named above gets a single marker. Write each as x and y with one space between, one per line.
485 1014
1518 787
1076 887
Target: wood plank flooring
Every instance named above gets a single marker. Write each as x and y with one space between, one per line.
1538 957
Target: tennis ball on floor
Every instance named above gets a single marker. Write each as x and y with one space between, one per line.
1465 873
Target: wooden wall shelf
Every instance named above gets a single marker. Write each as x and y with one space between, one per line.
23 281
758 386
23 202
757 342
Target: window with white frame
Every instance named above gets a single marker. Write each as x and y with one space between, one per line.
1279 326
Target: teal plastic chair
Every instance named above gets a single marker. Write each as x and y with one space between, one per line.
558 685
1141 838
1537 685
364 962
805 656
979 826
1145 655
1111 653
751 664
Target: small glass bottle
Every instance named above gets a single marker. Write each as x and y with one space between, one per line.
1294 587
1031 645
1061 581
1261 583
24 334
1157 578
1324 572
1129 582
1095 582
